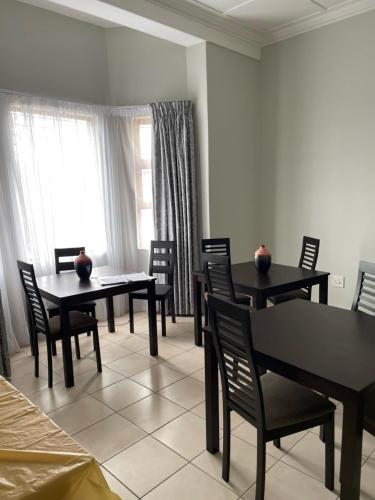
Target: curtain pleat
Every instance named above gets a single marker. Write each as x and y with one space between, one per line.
174 192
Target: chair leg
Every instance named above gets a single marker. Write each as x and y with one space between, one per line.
78 350
36 355
49 358
329 431
53 346
162 312
97 349
173 308
277 443
261 467
131 314
31 332
205 307
226 444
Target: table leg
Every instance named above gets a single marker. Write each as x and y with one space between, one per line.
110 315
212 395
197 294
153 333
351 455
66 347
323 290
260 301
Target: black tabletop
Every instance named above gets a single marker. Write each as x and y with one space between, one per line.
335 344
68 284
246 276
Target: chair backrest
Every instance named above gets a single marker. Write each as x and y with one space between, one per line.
309 253
162 259
364 296
218 272
309 257
37 312
219 246
66 252
230 326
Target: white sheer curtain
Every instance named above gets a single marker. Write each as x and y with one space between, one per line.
66 179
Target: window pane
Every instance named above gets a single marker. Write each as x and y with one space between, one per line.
61 184
145 141
147 228
147 185
142 133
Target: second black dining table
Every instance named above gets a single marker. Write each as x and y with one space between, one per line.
66 290
247 280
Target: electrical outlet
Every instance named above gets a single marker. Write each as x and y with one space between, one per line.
338 281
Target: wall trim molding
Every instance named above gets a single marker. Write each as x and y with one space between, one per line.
214 19
316 21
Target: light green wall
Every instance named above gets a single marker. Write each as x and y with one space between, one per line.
144 69
318 147
197 91
49 54
233 126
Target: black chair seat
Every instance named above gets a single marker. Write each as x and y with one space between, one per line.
245 300
161 292
85 307
79 322
287 403
285 297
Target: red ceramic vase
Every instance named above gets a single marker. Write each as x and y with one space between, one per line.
83 265
263 259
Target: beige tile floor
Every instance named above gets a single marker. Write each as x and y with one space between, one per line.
143 420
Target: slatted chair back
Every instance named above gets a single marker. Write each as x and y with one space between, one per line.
230 326
60 253
163 259
364 296
219 246
310 253
37 312
309 257
218 272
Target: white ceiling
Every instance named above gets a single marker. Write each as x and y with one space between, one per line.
269 15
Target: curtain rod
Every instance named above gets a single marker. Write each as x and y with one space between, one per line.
58 99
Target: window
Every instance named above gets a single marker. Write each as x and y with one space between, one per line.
142 131
60 179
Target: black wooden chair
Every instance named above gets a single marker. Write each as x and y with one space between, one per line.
79 322
62 266
364 301
274 405
162 261
216 246
218 271
308 259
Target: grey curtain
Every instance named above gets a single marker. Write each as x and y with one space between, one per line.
174 192
4 353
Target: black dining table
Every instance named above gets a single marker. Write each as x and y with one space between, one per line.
66 290
247 280
328 349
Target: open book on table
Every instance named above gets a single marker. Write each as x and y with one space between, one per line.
124 278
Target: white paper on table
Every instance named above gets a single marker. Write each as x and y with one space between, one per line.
124 278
